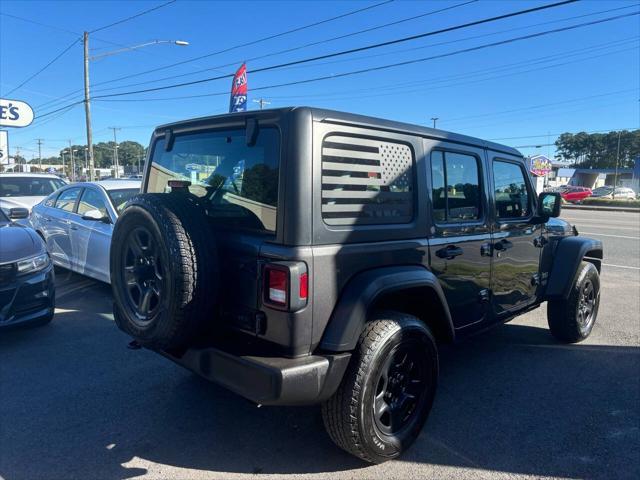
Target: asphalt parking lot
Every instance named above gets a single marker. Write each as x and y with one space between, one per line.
76 403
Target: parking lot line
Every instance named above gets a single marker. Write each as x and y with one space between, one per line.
620 266
608 235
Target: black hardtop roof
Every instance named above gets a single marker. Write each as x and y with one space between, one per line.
324 115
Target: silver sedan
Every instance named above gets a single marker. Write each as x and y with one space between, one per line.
76 223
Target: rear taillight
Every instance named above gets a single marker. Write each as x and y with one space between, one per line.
286 285
277 285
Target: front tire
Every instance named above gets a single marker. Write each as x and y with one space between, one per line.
387 391
571 320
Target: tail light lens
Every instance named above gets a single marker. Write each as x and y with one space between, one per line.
278 285
286 285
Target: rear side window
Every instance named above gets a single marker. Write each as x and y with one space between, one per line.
456 187
92 200
512 195
366 181
240 182
67 200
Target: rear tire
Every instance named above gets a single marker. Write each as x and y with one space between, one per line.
372 414
571 320
163 270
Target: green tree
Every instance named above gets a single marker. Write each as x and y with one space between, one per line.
599 150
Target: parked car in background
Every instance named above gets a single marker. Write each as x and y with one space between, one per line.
602 192
76 223
27 290
575 194
24 190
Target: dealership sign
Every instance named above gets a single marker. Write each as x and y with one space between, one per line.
539 165
14 113
4 147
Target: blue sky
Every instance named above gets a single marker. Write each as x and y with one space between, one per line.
521 93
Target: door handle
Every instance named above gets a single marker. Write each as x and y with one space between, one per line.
449 252
503 245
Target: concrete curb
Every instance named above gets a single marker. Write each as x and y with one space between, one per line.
601 208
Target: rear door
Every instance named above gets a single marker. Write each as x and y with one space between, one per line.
459 244
58 241
516 242
91 239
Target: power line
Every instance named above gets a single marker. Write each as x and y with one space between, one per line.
43 68
371 69
346 60
276 35
353 50
259 40
279 52
558 134
157 7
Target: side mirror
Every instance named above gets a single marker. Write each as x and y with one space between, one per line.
96 216
18 213
549 205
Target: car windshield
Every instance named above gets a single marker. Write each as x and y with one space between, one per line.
238 181
120 197
28 186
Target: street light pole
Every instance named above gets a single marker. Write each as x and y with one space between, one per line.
434 121
116 174
87 97
615 177
87 106
73 163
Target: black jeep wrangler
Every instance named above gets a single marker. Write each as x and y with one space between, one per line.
303 256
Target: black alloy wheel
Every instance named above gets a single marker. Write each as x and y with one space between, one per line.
586 304
400 388
143 274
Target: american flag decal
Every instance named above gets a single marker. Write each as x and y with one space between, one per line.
366 181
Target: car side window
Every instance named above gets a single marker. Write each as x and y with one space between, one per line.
511 192
51 200
67 200
92 200
456 187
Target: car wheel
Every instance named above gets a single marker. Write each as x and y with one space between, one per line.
163 270
387 391
571 320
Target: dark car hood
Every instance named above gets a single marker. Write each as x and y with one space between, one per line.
18 242
557 226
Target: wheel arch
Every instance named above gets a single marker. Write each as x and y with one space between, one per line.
408 289
567 257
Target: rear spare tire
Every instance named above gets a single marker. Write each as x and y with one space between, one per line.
164 273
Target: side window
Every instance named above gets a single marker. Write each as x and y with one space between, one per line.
455 187
51 200
91 200
67 199
366 181
512 195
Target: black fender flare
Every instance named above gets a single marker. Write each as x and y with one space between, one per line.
568 254
353 308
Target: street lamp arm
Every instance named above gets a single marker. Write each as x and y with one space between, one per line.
181 43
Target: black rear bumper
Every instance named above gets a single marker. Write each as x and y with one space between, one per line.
268 380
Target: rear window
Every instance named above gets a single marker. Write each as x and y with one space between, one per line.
28 187
240 182
119 198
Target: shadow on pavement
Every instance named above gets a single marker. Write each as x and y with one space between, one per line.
77 404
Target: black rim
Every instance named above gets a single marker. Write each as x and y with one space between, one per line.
143 274
401 388
586 304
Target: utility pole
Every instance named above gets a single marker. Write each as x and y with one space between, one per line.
115 152
87 105
615 177
17 159
85 159
434 119
40 153
73 163
262 102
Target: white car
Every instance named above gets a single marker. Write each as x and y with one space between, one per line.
623 193
76 223
24 190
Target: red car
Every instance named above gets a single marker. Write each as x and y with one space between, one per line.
575 194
